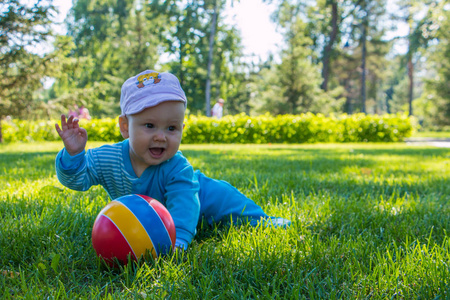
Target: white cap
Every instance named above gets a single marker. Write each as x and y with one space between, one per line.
148 89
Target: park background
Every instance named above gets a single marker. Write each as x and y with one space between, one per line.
313 133
373 57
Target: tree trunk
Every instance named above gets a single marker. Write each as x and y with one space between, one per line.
329 46
1 135
363 67
411 84
181 59
210 59
348 101
388 98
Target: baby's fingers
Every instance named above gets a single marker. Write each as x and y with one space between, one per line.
70 122
58 129
64 123
63 127
63 120
75 123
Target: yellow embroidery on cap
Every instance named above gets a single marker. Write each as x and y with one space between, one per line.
149 78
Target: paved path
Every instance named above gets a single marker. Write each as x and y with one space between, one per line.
444 143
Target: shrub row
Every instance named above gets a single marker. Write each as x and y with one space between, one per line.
305 128
27 131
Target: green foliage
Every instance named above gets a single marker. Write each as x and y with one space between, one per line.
110 40
242 129
435 101
116 39
444 135
304 128
22 27
106 129
29 131
293 86
369 221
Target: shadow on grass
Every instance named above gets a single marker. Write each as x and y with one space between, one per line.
336 170
287 162
317 160
27 166
369 149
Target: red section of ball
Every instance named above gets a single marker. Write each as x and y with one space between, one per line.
108 241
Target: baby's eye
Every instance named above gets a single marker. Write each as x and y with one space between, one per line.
149 125
172 128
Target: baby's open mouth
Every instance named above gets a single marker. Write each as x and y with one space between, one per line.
156 151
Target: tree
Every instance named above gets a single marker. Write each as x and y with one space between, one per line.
113 40
367 15
324 19
117 38
189 43
212 36
435 100
364 25
418 36
231 74
293 86
22 28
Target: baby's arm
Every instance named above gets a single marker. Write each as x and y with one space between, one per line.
73 136
184 208
181 199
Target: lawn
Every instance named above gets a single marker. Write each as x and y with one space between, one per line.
368 221
432 134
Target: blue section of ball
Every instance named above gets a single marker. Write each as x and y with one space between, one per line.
150 220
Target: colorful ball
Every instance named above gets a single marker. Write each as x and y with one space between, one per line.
133 225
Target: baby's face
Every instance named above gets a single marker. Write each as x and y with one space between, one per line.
154 134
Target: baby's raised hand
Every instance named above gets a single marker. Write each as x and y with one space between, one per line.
73 136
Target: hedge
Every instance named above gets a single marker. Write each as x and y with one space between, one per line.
304 128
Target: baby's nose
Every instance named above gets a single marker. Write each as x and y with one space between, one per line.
159 136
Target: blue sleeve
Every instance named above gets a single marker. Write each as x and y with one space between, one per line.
76 172
181 199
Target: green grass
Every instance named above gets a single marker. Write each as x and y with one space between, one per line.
432 134
368 221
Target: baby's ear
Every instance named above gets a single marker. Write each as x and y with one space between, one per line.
123 125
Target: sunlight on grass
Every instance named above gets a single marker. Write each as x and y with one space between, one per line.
432 134
368 221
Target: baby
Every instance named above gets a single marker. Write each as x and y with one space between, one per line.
148 161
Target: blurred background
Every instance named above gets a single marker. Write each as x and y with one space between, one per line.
281 57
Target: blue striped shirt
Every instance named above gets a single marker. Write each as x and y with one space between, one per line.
173 182
186 194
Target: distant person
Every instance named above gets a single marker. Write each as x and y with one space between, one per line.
217 110
84 113
74 113
148 161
